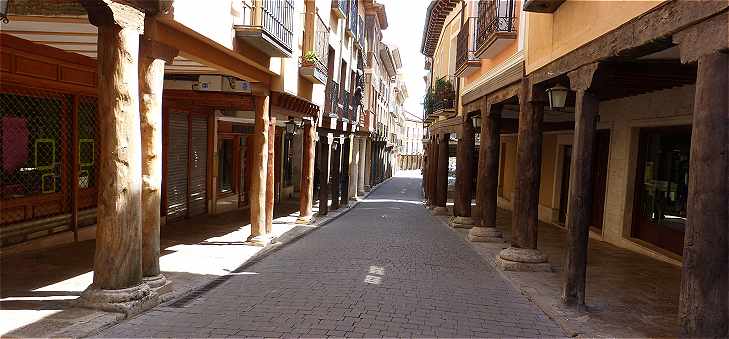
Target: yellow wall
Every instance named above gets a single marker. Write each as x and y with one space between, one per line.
546 186
445 54
509 174
575 23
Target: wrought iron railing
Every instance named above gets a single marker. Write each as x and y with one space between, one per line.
495 16
345 105
353 17
342 5
332 99
440 97
321 44
466 43
277 19
361 34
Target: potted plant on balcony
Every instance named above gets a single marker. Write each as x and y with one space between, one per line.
309 68
309 59
444 94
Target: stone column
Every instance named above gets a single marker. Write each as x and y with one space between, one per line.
306 192
344 172
433 172
362 166
259 168
464 176
488 175
579 205
271 175
152 58
523 253
334 183
703 301
118 284
324 148
441 189
354 170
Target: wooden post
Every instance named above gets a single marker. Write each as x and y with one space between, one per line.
306 192
488 175
324 144
703 301
441 190
117 284
259 170
523 253
368 166
353 169
152 58
433 172
271 174
361 173
336 162
579 205
344 172
464 176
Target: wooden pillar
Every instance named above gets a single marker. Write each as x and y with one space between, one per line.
324 149
523 253
259 170
433 171
151 79
271 174
306 191
703 301
368 166
117 283
353 169
464 176
441 189
345 168
362 168
579 205
336 162
488 175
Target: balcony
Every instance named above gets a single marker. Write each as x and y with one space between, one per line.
542 6
332 99
466 60
313 62
361 34
340 8
268 25
440 99
353 21
497 26
346 109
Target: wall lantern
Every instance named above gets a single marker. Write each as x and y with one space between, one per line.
557 97
4 11
476 120
291 126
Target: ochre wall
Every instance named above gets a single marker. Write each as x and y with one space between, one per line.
546 186
444 55
509 174
575 23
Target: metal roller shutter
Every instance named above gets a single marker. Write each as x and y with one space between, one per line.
198 165
177 166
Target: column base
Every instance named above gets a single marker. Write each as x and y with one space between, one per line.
304 220
361 192
159 284
440 210
130 301
260 240
461 222
523 260
485 234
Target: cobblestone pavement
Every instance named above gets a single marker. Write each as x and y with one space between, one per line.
387 268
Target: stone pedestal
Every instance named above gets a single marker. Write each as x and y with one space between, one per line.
130 301
485 234
523 260
440 210
462 222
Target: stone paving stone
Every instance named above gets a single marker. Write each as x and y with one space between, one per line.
385 269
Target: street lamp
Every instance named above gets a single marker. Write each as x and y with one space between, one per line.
476 120
291 126
557 97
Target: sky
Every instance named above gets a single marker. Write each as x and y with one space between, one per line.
405 31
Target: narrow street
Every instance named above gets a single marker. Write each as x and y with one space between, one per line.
386 268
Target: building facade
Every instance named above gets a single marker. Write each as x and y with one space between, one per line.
604 118
262 106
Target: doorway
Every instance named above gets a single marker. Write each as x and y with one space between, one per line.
661 190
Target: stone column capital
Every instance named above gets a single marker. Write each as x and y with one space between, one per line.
708 37
112 13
